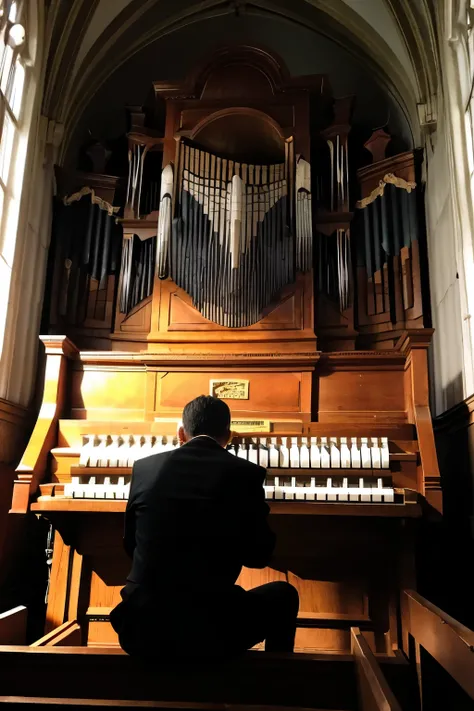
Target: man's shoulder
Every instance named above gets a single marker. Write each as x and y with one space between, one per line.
243 466
154 462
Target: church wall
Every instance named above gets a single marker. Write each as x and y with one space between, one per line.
447 349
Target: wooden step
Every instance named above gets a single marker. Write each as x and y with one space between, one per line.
17 702
323 681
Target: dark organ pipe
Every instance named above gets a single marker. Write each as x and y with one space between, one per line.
88 243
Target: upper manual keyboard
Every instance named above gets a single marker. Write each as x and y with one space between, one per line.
270 452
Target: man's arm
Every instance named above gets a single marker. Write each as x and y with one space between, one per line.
258 539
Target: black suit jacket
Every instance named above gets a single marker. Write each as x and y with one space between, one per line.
195 516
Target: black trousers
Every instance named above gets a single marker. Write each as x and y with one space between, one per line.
205 625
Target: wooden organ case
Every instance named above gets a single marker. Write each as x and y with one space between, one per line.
226 266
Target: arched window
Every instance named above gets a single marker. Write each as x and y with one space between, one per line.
14 66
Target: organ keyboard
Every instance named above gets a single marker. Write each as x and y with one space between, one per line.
316 469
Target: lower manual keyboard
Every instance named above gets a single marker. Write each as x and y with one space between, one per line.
276 489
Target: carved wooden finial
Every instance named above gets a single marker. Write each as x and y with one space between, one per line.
377 144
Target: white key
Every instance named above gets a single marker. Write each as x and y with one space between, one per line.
375 449
99 491
290 490
343 491
279 490
311 490
146 450
388 495
141 449
113 451
294 454
300 491
304 454
356 461
69 489
104 451
274 454
384 453
97 450
110 492
263 454
315 454
345 454
86 449
243 452
269 492
161 444
335 453
127 490
325 455
365 492
332 491
284 454
377 492
365 453
354 492
133 450
253 452
321 493
168 443
88 491
122 451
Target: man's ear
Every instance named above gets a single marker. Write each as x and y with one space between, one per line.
182 435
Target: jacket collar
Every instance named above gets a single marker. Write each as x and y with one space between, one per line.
204 440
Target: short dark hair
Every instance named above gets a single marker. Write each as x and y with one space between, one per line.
206 415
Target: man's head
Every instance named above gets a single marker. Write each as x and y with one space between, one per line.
206 415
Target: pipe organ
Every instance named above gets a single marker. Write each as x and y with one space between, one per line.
248 270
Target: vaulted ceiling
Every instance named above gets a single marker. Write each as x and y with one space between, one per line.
103 53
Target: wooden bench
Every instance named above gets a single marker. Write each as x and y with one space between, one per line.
441 650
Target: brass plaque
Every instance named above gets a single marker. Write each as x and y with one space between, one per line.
250 426
230 389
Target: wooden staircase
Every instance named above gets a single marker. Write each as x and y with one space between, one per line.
53 673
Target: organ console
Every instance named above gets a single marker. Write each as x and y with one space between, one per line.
246 284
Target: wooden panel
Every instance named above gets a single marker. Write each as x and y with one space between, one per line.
57 599
184 317
101 634
374 391
276 392
111 388
13 625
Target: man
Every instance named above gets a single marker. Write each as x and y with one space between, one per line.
195 516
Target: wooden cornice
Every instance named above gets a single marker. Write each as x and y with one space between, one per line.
456 418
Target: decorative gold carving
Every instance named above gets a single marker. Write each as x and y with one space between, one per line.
389 179
95 199
230 389
238 426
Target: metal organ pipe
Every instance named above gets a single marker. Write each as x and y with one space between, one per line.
232 244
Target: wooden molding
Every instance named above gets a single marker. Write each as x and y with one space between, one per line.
456 418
